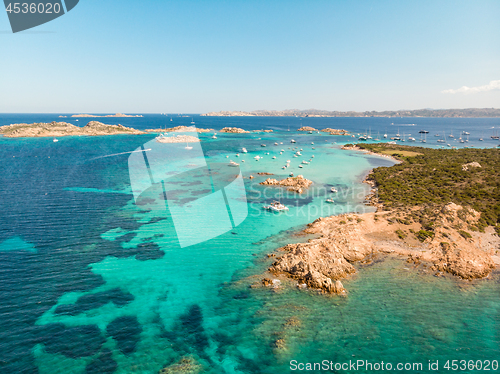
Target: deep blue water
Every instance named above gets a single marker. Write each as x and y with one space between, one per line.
90 282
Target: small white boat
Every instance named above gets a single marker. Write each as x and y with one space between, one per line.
237 155
188 147
214 136
55 140
232 163
192 122
310 132
287 161
329 201
290 175
275 143
312 156
292 141
257 158
385 136
274 157
276 206
244 150
262 145
305 162
312 143
300 166
333 189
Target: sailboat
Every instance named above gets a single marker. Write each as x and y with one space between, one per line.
451 134
214 136
192 122
187 146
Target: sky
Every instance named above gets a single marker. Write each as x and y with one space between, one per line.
188 56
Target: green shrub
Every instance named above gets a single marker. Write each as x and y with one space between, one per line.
422 235
465 234
401 234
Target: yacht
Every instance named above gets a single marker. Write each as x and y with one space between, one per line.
244 150
292 141
276 206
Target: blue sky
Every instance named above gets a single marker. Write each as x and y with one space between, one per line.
151 56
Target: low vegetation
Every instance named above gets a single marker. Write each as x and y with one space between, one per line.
434 177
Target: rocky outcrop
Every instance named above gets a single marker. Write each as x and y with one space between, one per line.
264 173
466 167
296 184
181 129
439 241
187 365
307 128
262 130
58 129
177 139
336 131
234 130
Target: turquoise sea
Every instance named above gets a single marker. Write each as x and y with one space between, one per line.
91 282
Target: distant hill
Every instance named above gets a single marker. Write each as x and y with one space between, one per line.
453 113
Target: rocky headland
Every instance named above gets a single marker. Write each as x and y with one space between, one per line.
58 129
350 238
295 184
434 236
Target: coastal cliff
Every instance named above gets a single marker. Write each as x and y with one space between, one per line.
57 129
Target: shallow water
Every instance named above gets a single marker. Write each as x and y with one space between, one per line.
92 282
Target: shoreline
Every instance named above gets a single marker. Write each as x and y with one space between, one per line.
352 238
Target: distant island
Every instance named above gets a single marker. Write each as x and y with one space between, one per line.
451 113
117 115
56 129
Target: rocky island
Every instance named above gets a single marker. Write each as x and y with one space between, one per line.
336 131
117 115
234 130
57 129
295 184
182 129
437 223
307 128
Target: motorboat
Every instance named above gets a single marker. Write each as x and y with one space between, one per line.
276 206
232 163
330 201
244 150
293 141
333 189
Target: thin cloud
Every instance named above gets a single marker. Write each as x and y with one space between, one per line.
493 85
